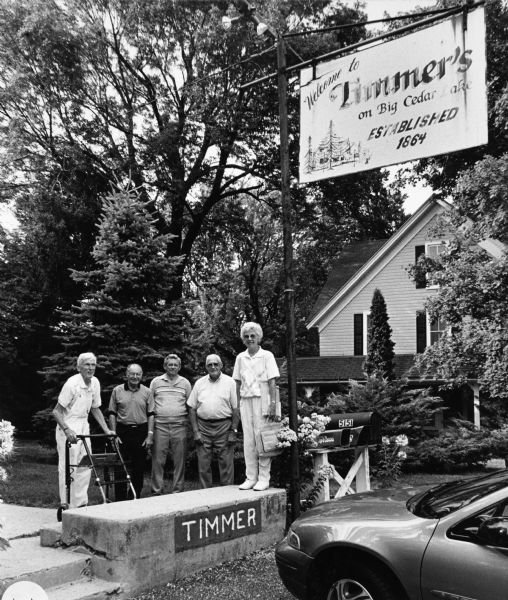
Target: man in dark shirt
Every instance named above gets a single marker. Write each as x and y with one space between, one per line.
128 416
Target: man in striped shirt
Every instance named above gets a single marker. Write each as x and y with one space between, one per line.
167 410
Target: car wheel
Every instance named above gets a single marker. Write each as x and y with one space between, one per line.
353 581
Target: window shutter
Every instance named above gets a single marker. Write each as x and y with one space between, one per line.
358 334
421 331
420 280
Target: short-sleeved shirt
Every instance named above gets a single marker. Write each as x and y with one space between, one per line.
252 370
130 406
78 398
214 399
168 398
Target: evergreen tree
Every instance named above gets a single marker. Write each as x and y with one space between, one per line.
380 346
124 315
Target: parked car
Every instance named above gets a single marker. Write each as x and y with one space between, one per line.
448 542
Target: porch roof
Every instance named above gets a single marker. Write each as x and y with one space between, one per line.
332 369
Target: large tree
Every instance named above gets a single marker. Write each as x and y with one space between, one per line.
235 269
143 91
473 292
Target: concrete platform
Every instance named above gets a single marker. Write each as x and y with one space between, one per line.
152 541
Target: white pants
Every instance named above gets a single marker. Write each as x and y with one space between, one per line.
257 468
80 478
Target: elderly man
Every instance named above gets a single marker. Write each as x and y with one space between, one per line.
80 395
168 412
214 416
128 416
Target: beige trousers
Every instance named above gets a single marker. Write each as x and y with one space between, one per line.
257 468
80 478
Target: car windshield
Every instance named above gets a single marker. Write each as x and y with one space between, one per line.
449 497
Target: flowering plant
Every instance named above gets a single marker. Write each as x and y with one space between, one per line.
391 458
307 433
6 446
6 438
323 474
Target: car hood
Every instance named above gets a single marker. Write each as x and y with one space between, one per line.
376 520
378 504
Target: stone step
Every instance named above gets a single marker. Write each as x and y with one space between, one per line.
51 535
86 588
27 560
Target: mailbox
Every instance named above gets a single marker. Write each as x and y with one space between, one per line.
350 430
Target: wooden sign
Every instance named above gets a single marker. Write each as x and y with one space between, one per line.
421 94
215 526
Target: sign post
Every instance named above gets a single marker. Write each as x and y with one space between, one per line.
289 292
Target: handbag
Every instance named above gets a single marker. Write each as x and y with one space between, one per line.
269 439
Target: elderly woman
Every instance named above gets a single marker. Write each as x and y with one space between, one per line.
255 372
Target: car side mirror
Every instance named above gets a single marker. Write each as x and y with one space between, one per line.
494 532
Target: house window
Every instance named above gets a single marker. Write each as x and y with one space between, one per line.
361 322
435 329
428 331
432 250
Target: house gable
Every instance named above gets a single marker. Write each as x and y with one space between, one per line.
386 269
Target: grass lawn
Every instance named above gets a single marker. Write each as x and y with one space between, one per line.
33 478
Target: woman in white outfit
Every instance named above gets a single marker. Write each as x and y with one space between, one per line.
255 373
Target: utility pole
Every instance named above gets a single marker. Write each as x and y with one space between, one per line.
289 291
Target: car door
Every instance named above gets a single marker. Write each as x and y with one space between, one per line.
458 566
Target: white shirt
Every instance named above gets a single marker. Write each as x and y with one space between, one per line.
78 398
254 370
214 399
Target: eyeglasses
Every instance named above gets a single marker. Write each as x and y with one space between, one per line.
248 336
213 364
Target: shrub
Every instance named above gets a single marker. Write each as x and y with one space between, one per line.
402 410
44 425
460 446
390 458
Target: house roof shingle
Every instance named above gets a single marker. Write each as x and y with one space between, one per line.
351 259
313 369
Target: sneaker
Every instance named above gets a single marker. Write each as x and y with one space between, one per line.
247 485
261 486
